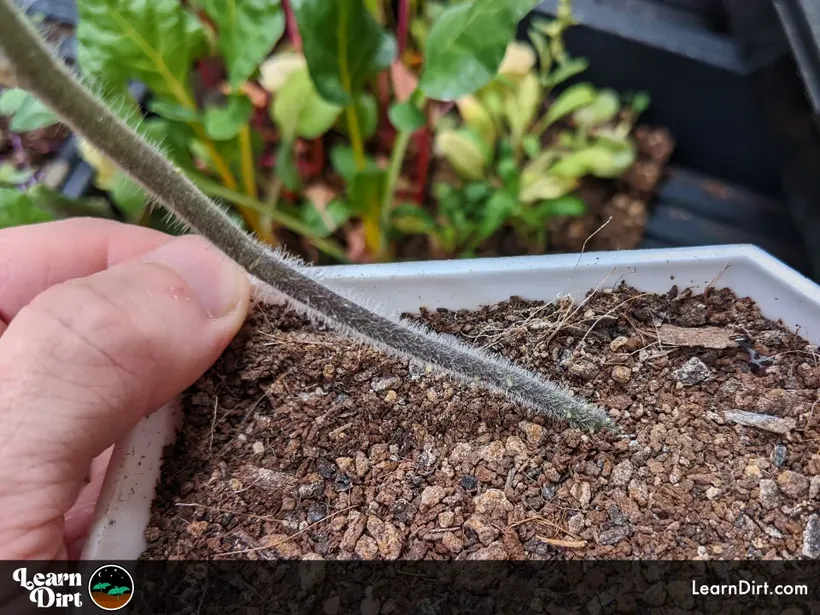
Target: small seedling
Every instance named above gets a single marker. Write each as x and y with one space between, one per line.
41 73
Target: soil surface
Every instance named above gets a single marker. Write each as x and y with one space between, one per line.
301 444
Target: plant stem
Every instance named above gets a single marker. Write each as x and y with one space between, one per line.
260 223
274 193
293 27
248 172
393 172
540 126
48 78
355 132
423 162
353 128
217 190
403 25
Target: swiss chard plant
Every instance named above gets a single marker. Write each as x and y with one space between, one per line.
317 120
519 160
123 142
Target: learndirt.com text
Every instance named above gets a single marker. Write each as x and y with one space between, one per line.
748 588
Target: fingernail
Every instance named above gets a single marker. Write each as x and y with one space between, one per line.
218 282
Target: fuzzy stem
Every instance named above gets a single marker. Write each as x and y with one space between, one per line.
39 71
251 205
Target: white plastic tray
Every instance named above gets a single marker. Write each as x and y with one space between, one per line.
781 293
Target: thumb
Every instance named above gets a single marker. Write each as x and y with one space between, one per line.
87 359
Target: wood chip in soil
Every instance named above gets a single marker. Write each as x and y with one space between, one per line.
302 444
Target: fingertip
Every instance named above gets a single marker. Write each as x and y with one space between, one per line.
221 286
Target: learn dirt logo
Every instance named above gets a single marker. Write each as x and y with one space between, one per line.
111 587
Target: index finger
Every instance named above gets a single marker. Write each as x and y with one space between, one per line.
37 256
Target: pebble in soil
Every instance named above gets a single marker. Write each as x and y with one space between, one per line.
299 443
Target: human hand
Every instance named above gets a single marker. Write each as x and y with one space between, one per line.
101 323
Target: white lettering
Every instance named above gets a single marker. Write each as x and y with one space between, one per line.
40 592
43 597
21 576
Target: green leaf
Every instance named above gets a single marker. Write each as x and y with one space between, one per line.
324 223
367 111
172 111
541 46
11 100
531 145
478 118
464 151
366 195
465 48
248 30
173 139
500 206
129 198
539 165
343 161
476 192
566 70
299 111
640 102
521 8
599 159
343 45
286 168
603 109
366 191
406 116
412 220
375 9
26 112
564 206
521 106
546 187
224 123
274 71
152 41
570 100
18 208
60 206
10 175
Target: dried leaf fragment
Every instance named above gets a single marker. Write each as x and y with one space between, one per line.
705 337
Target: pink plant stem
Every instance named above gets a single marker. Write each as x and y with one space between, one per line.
293 28
402 27
422 139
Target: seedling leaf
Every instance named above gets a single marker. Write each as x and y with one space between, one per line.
570 100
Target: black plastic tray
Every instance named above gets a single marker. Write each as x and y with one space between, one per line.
786 84
801 24
699 81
